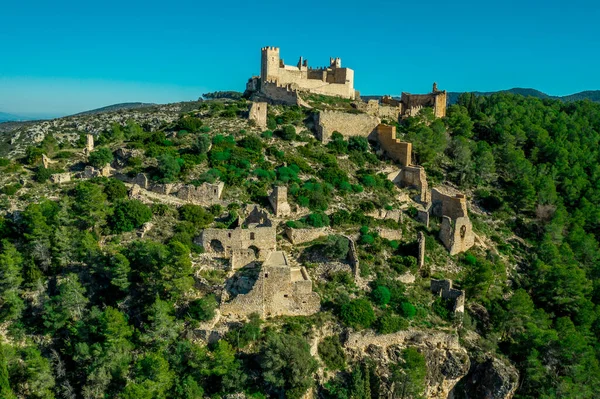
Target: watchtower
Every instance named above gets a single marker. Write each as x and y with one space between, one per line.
269 64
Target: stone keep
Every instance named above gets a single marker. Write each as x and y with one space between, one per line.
281 289
258 114
456 231
279 202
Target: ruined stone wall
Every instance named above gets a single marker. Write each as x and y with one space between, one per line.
389 234
444 289
447 202
280 289
346 124
421 255
279 202
384 214
299 236
227 241
441 99
60 178
412 176
205 194
258 114
353 258
457 234
395 149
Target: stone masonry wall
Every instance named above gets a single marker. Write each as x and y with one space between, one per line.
281 289
279 202
446 202
444 289
395 149
299 236
280 94
346 124
258 114
228 241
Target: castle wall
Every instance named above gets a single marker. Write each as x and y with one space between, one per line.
279 202
448 203
230 241
279 290
347 124
457 235
205 194
258 114
299 236
279 94
383 214
395 149
412 176
444 289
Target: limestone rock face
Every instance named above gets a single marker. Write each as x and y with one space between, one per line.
447 361
492 379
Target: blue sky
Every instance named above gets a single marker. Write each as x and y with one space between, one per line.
60 57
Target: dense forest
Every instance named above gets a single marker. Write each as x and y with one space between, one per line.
89 309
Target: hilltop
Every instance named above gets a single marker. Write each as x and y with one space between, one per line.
229 247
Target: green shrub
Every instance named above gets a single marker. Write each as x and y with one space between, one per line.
390 323
407 310
271 123
267 134
288 132
196 215
115 189
336 247
358 314
168 168
129 215
42 174
203 309
319 219
332 353
100 157
381 295
4 162
11 189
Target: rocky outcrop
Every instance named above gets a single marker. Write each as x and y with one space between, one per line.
491 379
447 361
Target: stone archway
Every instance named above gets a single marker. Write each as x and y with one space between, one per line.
256 250
217 246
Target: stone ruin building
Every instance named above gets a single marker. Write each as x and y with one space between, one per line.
258 114
393 147
409 105
249 241
281 289
443 288
89 144
456 231
60 178
204 194
279 82
279 202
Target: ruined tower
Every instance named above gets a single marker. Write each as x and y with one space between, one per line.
269 64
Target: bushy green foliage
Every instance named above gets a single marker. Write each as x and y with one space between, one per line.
100 157
195 214
128 215
390 323
336 247
287 133
331 352
381 296
115 189
203 309
168 168
358 314
287 365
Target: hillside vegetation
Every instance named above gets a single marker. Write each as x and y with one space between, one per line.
97 303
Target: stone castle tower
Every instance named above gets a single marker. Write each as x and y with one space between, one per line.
269 64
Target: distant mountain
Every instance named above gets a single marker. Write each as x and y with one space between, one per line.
5 117
592 95
116 107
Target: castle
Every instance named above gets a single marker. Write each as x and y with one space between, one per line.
276 78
